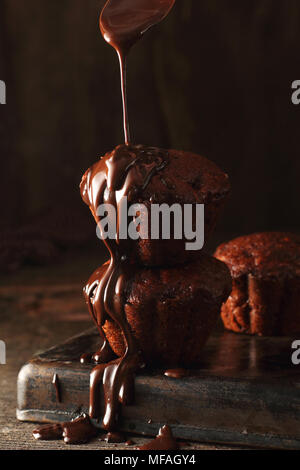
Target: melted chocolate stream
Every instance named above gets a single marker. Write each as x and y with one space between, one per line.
122 24
123 172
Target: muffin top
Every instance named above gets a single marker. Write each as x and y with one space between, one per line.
269 254
188 178
155 175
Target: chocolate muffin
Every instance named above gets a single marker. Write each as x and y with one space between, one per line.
265 299
171 311
184 178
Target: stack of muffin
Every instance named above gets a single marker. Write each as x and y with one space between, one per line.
174 298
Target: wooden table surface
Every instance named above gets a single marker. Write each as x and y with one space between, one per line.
39 308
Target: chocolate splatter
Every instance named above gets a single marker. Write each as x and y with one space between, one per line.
163 441
78 431
176 373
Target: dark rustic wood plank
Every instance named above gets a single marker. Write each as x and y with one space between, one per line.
245 392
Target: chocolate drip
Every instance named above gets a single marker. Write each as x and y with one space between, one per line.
122 24
86 358
129 443
163 441
125 171
105 354
177 373
114 438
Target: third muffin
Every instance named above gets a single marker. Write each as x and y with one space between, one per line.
265 298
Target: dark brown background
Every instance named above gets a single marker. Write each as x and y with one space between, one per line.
214 78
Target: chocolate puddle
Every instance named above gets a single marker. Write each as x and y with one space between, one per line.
48 432
163 441
78 431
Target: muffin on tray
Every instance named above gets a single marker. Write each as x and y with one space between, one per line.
171 311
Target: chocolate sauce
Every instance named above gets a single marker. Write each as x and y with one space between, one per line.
125 171
105 354
56 383
176 373
129 443
122 24
86 358
114 438
48 432
163 441
78 431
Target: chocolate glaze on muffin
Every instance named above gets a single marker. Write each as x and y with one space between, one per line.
265 298
171 311
186 178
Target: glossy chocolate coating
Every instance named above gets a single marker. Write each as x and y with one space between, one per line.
163 441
